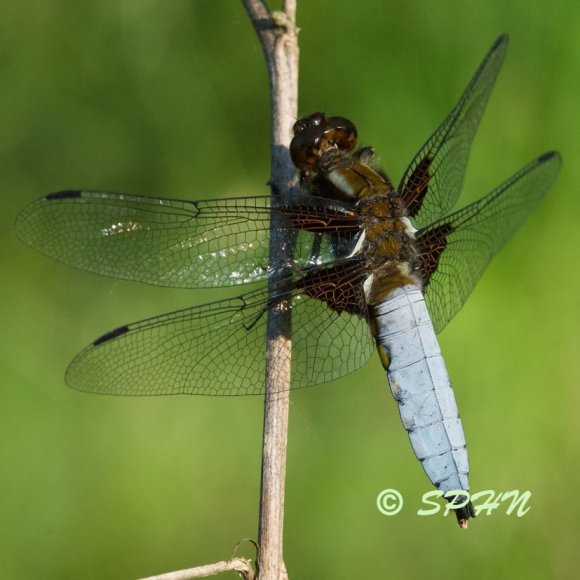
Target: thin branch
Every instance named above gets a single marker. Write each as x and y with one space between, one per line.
278 35
240 565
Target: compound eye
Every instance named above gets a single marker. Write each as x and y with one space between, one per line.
317 134
304 149
314 120
341 132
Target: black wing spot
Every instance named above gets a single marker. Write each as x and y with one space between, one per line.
69 194
340 286
111 335
547 156
500 40
431 244
417 186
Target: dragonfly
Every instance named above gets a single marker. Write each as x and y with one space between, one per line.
370 266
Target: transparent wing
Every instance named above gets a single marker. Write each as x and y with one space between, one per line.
432 183
182 244
464 242
218 348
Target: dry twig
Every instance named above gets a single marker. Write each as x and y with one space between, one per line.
278 35
240 565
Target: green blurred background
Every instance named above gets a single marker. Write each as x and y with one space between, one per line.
170 98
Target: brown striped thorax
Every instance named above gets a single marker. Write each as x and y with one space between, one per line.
323 149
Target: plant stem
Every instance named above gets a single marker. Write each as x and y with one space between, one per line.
278 36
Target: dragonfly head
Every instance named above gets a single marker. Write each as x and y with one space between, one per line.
316 134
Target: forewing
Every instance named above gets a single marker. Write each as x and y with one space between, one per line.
432 183
455 250
166 242
218 348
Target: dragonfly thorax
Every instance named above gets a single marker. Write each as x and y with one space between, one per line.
322 149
